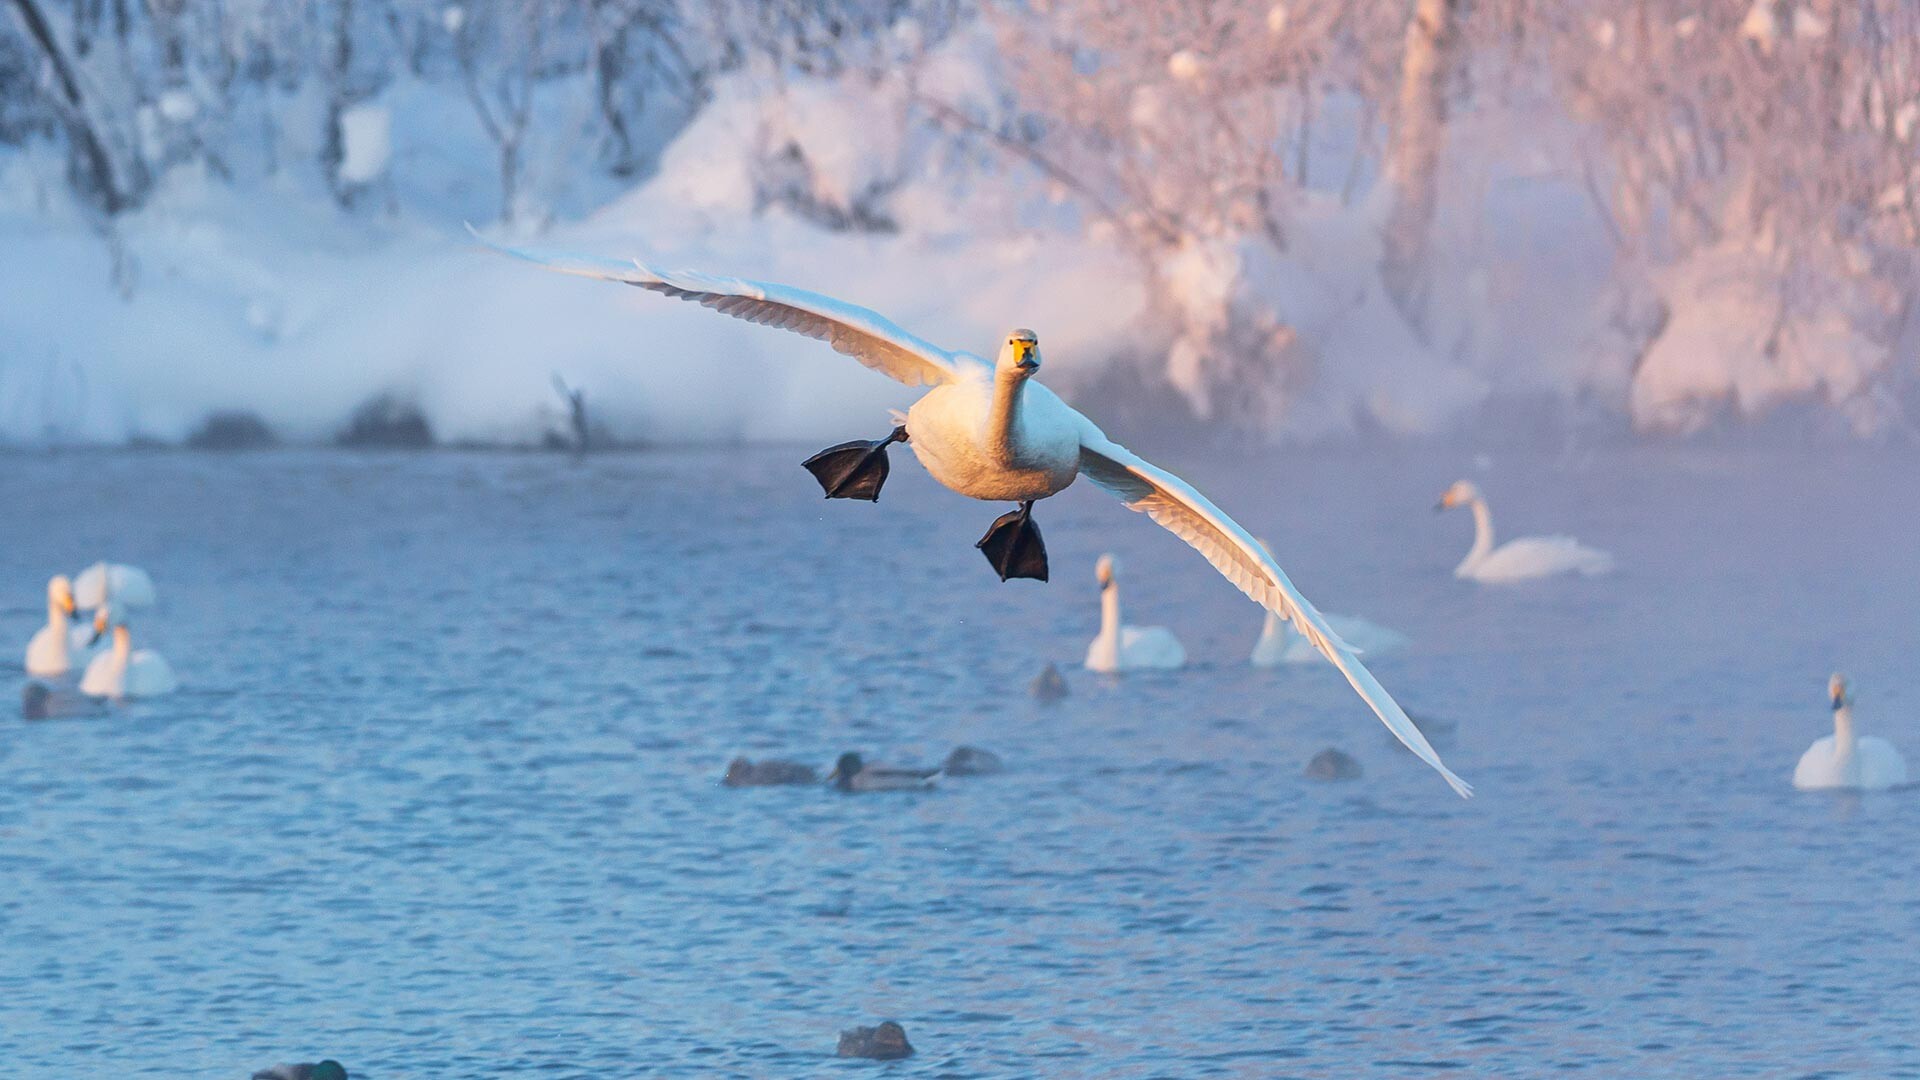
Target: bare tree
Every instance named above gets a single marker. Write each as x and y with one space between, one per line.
1413 157
501 47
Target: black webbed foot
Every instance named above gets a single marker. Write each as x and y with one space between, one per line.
854 470
1014 547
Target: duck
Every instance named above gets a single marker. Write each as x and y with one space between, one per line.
1118 647
325 1070
744 773
1525 559
51 651
990 430
123 671
39 701
1844 760
106 583
885 1042
1333 764
972 761
1049 686
851 774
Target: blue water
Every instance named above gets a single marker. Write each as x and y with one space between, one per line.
440 795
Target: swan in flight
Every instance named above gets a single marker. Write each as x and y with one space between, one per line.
122 671
991 431
1281 644
106 583
1517 560
1119 647
50 653
1846 760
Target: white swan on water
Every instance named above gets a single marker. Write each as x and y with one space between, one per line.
1517 560
1280 644
123 671
1846 760
106 583
990 431
51 651
1119 647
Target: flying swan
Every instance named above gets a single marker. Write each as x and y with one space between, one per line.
1516 560
1846 760
990 431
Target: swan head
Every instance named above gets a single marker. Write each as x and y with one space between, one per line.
1103 571
1460 494
1019 355
846 768
60 593
1837 692
105 619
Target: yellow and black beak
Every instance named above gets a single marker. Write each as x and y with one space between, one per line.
1023 354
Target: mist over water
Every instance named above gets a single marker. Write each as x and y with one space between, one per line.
440 796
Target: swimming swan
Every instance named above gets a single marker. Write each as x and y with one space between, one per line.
106 583
1281 644
1846 760
1517 560
991 431
123 672
1119 647
50 653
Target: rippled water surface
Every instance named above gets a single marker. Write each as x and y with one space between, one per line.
440 795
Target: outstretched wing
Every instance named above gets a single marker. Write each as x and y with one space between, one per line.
862 334
1187 514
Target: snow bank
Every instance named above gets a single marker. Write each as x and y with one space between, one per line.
270 300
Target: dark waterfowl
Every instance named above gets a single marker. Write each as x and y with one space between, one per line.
1049 685
887 1042
972 761
744 773
850 773
1331 764
325 1070
39 701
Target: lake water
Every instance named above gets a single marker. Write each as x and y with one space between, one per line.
440 795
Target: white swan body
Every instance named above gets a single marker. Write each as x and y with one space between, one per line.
1517 560
1846 760
989 431
52 651
1280 644
1119 647
125 672
106 583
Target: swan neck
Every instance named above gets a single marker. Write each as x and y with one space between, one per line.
1844 741
1110 610
122 644
1482 531
1005 416
57 617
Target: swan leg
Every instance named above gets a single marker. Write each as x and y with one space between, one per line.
854 470
1014 547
